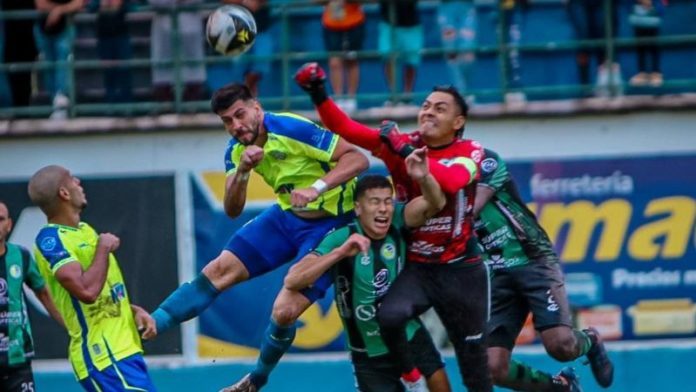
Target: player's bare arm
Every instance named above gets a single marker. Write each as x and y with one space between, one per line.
45 297
86 285
236 184
311 267
349 163
145 323
418 210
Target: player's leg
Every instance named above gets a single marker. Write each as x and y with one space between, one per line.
429 361
544 288
411 40
258 247
460 296
404 301
17 378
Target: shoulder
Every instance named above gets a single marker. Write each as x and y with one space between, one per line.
295 127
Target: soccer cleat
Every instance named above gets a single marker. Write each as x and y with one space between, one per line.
570 380
415 386
243 385
597 357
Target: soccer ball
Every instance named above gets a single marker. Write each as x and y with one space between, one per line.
231 30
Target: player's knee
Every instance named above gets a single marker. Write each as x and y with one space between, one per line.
392 316
285 314
499 369
225 271
562 349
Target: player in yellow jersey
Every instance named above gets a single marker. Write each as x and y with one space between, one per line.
87 287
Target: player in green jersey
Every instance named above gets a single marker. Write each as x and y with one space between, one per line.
365 257
17 268
527 277
88 289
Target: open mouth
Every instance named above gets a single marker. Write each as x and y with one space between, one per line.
382 222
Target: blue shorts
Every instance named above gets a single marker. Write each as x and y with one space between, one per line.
276 237
128 374
408 40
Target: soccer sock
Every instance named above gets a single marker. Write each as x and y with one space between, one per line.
185 303
276 341
519 372
583 342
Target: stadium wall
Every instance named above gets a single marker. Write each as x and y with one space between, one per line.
178 153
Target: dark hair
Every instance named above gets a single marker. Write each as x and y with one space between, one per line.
227 95
458 99
368 182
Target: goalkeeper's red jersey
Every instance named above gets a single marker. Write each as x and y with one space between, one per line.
447 237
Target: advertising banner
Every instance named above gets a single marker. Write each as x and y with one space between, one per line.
141 212
623 228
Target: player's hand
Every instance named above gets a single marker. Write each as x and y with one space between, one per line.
390 135
109 241
145 323
299 198
312 78
356 243
417 164
251 157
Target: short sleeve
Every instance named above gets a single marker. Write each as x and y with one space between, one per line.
332 240
310 139
31 271
51 247
494 172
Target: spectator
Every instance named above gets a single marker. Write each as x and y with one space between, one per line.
5 95
190 47
400 34
54 35
646 18
457 20
511 17
20 49
588 19
263 45
344 32
114 44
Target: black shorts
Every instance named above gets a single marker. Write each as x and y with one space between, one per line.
538 288
381 374
17 378
345 41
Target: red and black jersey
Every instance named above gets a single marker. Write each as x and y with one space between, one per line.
447 237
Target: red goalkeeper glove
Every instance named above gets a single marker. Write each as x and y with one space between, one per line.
311 78
390 135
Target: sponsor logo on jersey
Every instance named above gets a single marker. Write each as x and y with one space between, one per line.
15 272
381 282
553 306
365 260
388 251
48 244
489 165
278 155
365 312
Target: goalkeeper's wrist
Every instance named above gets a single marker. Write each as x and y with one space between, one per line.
318 96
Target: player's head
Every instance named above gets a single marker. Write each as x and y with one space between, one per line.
239 111
5 222
374 205
53 188
442 116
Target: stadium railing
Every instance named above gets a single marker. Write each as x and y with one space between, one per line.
287 99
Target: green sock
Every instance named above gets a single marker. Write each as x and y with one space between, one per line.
584 343
519 372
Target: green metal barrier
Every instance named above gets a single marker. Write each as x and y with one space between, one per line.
286 10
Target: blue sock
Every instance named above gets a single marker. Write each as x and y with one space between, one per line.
276 341
185 303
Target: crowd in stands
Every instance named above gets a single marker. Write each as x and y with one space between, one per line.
400 43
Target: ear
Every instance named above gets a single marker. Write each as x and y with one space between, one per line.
459 122
358 209
63 193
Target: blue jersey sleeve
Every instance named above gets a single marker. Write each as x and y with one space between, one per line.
230 164
48 242
310 139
